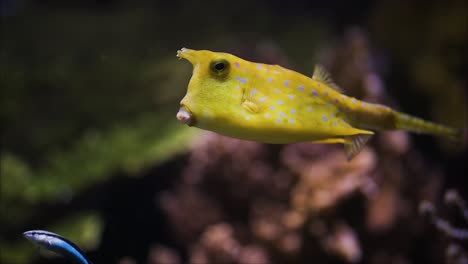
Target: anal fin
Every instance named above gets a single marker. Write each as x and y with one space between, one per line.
329 141
354 144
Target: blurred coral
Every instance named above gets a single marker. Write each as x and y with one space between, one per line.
184 204
88 111
217 245
329 179
163 255
454 253
343 242
293 194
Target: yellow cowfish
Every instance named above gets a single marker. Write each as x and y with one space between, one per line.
271 104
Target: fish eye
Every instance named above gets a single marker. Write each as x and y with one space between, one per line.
219 67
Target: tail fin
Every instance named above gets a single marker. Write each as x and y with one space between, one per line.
418 125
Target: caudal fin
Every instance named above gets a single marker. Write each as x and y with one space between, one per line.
418 125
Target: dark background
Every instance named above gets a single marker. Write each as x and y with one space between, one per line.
91 148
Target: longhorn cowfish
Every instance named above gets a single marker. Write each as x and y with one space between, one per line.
58 244
271 104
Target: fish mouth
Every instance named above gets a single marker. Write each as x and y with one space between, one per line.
185 116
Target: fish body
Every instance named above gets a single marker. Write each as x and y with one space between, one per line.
271 104
58 244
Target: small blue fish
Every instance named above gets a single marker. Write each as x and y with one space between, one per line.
57 244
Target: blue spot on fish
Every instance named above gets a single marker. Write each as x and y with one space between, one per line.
272 107
280 102
286 83
293 111
236 64
314 93
282 114
253 92
259 67
291 121
301 88
278 120
309 109
269 79
241 79
324 118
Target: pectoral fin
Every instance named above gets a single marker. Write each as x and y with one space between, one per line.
354 144
251 106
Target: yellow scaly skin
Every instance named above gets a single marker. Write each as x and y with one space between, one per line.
271 104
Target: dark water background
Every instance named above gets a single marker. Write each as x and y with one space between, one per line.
91 148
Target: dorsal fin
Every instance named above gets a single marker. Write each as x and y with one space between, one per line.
321 74
354 144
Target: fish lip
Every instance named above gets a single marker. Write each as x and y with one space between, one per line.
185 116
187 54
